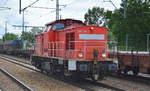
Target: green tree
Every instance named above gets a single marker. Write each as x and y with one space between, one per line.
9 36
95 16
98 16
136 23
30 36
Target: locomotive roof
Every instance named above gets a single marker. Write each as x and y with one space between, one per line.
64 21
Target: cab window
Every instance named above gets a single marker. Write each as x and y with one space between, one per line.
58 26
47 28
70 41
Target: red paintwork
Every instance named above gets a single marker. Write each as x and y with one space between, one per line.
53 43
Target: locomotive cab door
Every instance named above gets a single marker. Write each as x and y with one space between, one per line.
42 44
70 45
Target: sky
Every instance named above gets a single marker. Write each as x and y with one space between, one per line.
74 9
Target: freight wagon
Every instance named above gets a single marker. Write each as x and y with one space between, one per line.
11 46
132 61
15 47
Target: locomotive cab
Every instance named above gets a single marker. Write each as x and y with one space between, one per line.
88 45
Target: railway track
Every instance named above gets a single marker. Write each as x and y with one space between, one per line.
87 85
21 84
141 79
35 79
16 59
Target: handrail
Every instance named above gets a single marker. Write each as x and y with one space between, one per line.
58 48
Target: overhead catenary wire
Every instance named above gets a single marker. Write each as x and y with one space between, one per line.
41 7
22 10
29 5
57 15
111 3
5 8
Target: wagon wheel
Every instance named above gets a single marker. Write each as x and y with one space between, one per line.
135 71
125 71
149 71
41 70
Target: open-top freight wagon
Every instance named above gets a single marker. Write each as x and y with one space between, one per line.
70 47
137 62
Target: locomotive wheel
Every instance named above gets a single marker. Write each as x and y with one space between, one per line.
75 76
119 72
62 75
101 77
52 69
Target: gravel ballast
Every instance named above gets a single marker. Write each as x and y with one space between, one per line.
35 80
7 84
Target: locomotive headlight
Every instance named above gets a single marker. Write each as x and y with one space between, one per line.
103 55
92 28
80 55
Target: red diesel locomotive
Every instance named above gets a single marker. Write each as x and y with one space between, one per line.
70 47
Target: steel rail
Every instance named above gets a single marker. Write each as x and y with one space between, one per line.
17 62
15 59
68 80
55 77
129 77
23 85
